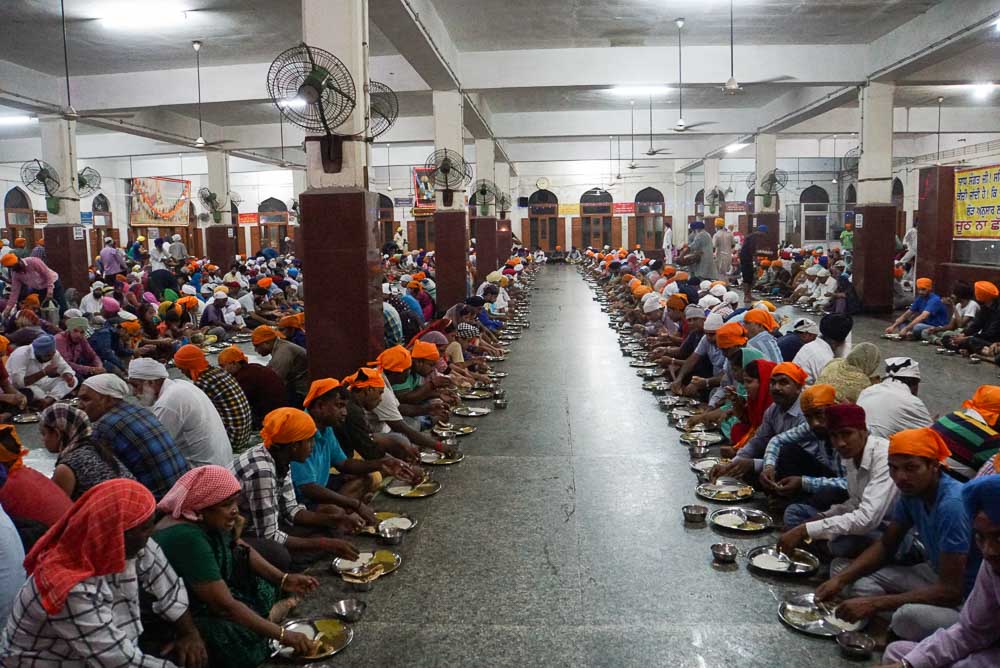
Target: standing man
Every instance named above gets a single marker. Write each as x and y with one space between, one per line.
668 243
178 251
747 253
699 256
31 275
722 242
112 260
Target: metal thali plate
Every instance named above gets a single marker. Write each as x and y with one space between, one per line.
724 491
335 636
434 458
470 411
360 567
403 491
476 394
728 520
26 418
641 364
707 464
800 563
801 613
701 438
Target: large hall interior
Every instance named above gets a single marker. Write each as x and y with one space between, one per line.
640 332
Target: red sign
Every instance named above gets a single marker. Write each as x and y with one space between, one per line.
736 207
249 219
619 208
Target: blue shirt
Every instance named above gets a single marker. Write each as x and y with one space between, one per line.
489 322
12 574
326 452
768 346
143 445
933 305
414 306
789 345
942 528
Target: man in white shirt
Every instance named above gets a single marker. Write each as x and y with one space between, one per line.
90 304
834 330
158 254
184 410
855 524
893 405
668 244
40 372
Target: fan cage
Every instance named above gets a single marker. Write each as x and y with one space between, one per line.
40 177
384 108
449 170
302 67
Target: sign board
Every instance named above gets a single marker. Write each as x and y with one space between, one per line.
229 231
619 208
41 218
402 201
977 203
859 221
152 232
736 207
248 219
569 209
78 233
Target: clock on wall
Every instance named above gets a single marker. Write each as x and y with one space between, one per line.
542 183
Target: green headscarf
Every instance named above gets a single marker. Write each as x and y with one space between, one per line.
750 355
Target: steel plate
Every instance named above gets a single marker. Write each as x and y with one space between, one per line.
800 613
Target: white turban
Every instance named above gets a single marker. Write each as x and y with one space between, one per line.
176 237
649 296
704 286
713 322
694 311
127 316
188 289
718 291
813 270
709 301
220 295
823 273
671 289
108 384
404 279
651 306
731 297
658 286
146 368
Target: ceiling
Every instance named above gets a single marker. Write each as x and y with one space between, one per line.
569 98
554 24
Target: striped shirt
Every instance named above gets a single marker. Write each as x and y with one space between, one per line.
266 498
768 346
231 403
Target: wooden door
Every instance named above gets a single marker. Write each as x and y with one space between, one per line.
743 225
411 234
577 232
616 231
900 223
561 232
631 232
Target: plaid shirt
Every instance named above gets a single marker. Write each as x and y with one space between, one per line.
393 326
143 445
230 401
100 622
265 498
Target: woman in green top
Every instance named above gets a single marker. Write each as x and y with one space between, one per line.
232 588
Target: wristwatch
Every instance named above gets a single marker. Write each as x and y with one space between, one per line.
905 663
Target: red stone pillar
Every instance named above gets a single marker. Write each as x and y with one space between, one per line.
343 288
874 251
220 244
485 231
505 240
66 248
936 228
772 238
451 255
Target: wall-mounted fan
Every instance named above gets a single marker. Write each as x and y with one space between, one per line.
772 183
486 193
212 202
235 198
751 181
713 199
503 205
448 172
384 109
851 160
42 178
88 181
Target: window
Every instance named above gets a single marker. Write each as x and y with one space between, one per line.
815 215
272 204
17 209
649 218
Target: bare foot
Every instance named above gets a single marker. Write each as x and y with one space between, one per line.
281 609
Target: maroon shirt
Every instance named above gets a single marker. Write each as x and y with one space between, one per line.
29 495
264 389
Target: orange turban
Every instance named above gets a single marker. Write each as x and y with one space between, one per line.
287 425
765 263
682 276
4 345
263 334
762 318
924 284
191 358
190 303
986 402
677 302
232 354
319 388
364 377
20 242
669 271
419 276
923 442
8 260
731 335
131 326
898 272
396 359
986 291
422 350
817 396
627 277
641 290
11 459
792 370
296 321
413 285
31 301
265 282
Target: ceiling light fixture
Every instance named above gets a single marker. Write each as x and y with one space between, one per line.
679 23
981 91
17 120
144 17
636 91
736 146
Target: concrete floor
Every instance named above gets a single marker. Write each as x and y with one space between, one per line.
559 540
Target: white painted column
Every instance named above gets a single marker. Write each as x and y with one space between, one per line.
485 163
711 174
503 185
875 166
911 195
449 134
678 205
341 27
218 183
765 159
299 183
59 150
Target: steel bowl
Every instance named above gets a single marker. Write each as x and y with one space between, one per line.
500 403
363 586
499 393
856 645
389 535
349 609
725 553
694 513
699 451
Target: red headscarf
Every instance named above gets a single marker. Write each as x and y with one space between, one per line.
89 540
744 431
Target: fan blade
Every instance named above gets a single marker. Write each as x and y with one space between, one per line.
688 126
109 115
657 151
777 79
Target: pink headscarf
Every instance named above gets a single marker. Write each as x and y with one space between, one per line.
151 298
198 489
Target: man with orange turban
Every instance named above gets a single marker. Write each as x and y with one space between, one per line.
284 532
926 311
222 389
924 597
983 333
264 389
861 465
972 432
759 324
404 419
723 243
293 327
287 360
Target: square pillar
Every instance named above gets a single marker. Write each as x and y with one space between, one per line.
765 161
505 241
67 255
221 244
451 252
66 247
875 164
485 231
338 232
874 250
937 225
769 244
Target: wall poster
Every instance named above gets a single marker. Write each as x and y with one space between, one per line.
977 203
160 201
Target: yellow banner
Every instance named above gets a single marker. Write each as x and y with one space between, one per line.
977 203
569 209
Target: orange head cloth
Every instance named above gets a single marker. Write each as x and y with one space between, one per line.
4 345
319 388
363 378
986 291
19 242
682 276
232 354
627 277
986 402
88 540
191 358
669 272
132 327
762 318
413 285
295 321
419 276
396 359
731 335
677 302
817 396
265 282
640 290
31 301
765 263
923 442
189 303
790 369
924 284
422 350
283 426
898 272
12 460
263 334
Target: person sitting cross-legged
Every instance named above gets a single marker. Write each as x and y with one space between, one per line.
40 372
225 393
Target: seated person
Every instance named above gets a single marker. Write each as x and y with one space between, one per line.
80 605
73 346
278 526
675 356
27 494
801 332
893 405
834 331
40 373
232 589
926 311
924 597
363 432
759 324
224 392
263 388
854 373
844 298
292 327
704 369
851 526
972 640
964 309
287 360
213 319
83 462
982 334
391 414
971 432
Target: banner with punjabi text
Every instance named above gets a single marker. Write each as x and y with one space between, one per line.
977 203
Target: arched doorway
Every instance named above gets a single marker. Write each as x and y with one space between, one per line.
815 206
598 227
850 196
102 227
386 214
545 227
898 200
699 206
274 229
19 215
649 220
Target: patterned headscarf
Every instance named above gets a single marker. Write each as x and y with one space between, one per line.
71 423
199 488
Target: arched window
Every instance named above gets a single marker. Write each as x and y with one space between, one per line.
100 204
272 204
897 193
815 204
814 195
273 217
649 221
543 197
596 196
18 211
386 214
596 222
543 220
851 195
